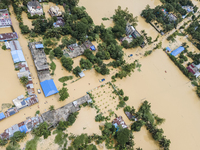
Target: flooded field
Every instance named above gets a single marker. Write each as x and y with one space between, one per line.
171 94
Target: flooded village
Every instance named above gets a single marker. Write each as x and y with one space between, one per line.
46 56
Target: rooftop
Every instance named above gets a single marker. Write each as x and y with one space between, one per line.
53 117
40 61
5 20
8 36
120 122
55 11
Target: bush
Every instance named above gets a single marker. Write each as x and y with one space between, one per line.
99 118
77 70
126 98
4 47
63 94
136 126
65 78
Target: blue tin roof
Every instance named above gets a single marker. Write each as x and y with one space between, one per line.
23 129
177 51
39 46
48 87
2 116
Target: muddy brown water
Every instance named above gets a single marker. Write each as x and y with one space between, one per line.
171 94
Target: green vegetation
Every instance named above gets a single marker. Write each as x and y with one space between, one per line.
146 115
4 47
3 142
85 64
99 118
24 80
17 136
67 63
147 53
60 138
32 144
51 107
76 71
159 17
37 112
63 94
136 126
104 18
52 67
70 121
42 130
65 78
182 68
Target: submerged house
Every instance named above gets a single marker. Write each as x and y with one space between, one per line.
193 69
59 23
130 30
75 50
177 51
11 111
119 122
34 8
55 11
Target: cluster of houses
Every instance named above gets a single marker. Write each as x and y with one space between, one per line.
75 50
25 126
55 11
5 22
34 8
132 34
20 102
22 66
51 117
42 67
194 69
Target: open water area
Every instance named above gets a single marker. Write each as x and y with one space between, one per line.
160 82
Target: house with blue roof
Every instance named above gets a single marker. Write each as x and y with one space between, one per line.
17 56
48 87
177 51
2 116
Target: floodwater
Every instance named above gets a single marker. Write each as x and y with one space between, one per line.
171 94
10 85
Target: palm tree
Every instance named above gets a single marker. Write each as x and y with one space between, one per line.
51 107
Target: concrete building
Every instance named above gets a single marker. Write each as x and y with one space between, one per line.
130 30
75 50
55 11
5 20
39 58
34 8
8 36
40 61
62 114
